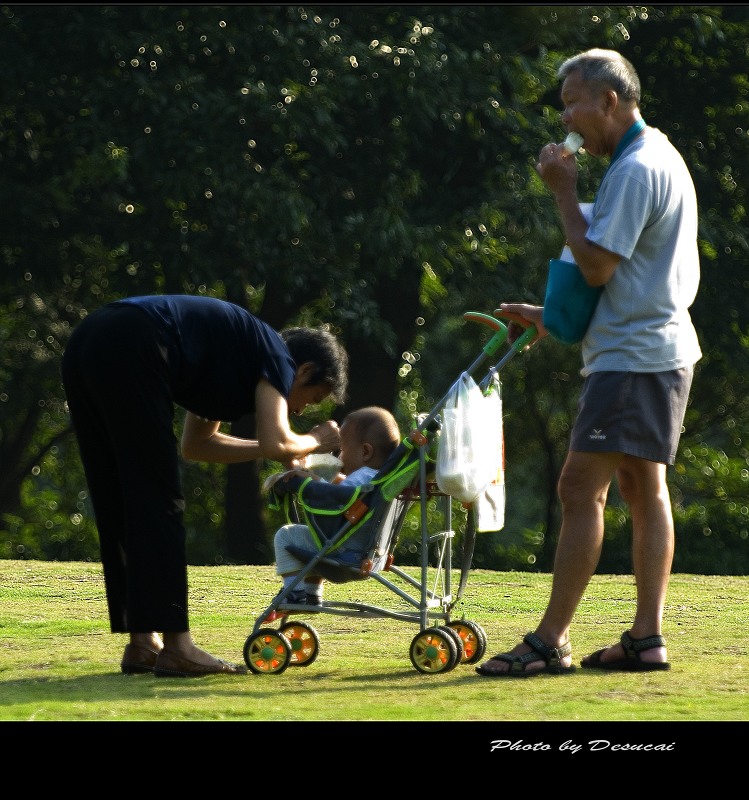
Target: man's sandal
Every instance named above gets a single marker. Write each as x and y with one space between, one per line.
631 661
551 656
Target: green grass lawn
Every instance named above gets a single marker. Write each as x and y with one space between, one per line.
58 661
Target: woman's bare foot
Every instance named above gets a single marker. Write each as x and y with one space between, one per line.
182 645
181 657
151 641
141 653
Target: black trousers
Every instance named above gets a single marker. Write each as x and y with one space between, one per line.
116 376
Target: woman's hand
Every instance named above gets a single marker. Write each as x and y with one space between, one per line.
328 435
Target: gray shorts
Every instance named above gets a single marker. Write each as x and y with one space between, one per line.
637 413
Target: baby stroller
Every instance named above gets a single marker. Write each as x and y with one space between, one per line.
375 514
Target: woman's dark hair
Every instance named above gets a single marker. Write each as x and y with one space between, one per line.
325 352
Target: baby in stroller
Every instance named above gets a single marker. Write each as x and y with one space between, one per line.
369 436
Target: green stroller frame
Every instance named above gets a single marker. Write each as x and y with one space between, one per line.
376 512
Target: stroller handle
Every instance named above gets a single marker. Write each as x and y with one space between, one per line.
489 350
493 345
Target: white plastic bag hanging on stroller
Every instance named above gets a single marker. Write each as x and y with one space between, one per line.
489 507
469 451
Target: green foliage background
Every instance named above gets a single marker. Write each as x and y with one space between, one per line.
370 168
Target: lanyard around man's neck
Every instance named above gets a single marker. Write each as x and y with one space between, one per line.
632 131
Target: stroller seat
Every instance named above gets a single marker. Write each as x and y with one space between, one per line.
367 519
335 570
359 564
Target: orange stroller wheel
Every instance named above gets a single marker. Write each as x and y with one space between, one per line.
434 650
474 640
267 652
304 641
456 637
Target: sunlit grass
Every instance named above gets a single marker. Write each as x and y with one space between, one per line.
58 661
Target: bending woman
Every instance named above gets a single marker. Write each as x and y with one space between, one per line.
125 368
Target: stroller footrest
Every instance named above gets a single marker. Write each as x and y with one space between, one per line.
329 568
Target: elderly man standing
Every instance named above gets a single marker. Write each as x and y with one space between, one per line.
638 358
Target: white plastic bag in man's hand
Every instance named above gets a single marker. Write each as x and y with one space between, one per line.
467 453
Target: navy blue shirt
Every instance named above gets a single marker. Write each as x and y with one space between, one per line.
216 353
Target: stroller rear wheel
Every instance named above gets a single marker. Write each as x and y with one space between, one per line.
304 641
450 631
474 640
267 652
434 650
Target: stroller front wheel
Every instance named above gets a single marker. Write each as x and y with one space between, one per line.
434 650
268 652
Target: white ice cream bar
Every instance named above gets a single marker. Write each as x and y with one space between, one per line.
573 142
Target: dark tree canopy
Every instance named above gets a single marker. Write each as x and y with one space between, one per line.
370 168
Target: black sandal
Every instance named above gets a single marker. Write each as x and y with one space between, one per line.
551 656
631 661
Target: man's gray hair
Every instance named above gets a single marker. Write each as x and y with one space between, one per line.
606 68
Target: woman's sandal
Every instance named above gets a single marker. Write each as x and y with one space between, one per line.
631 661
551 656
